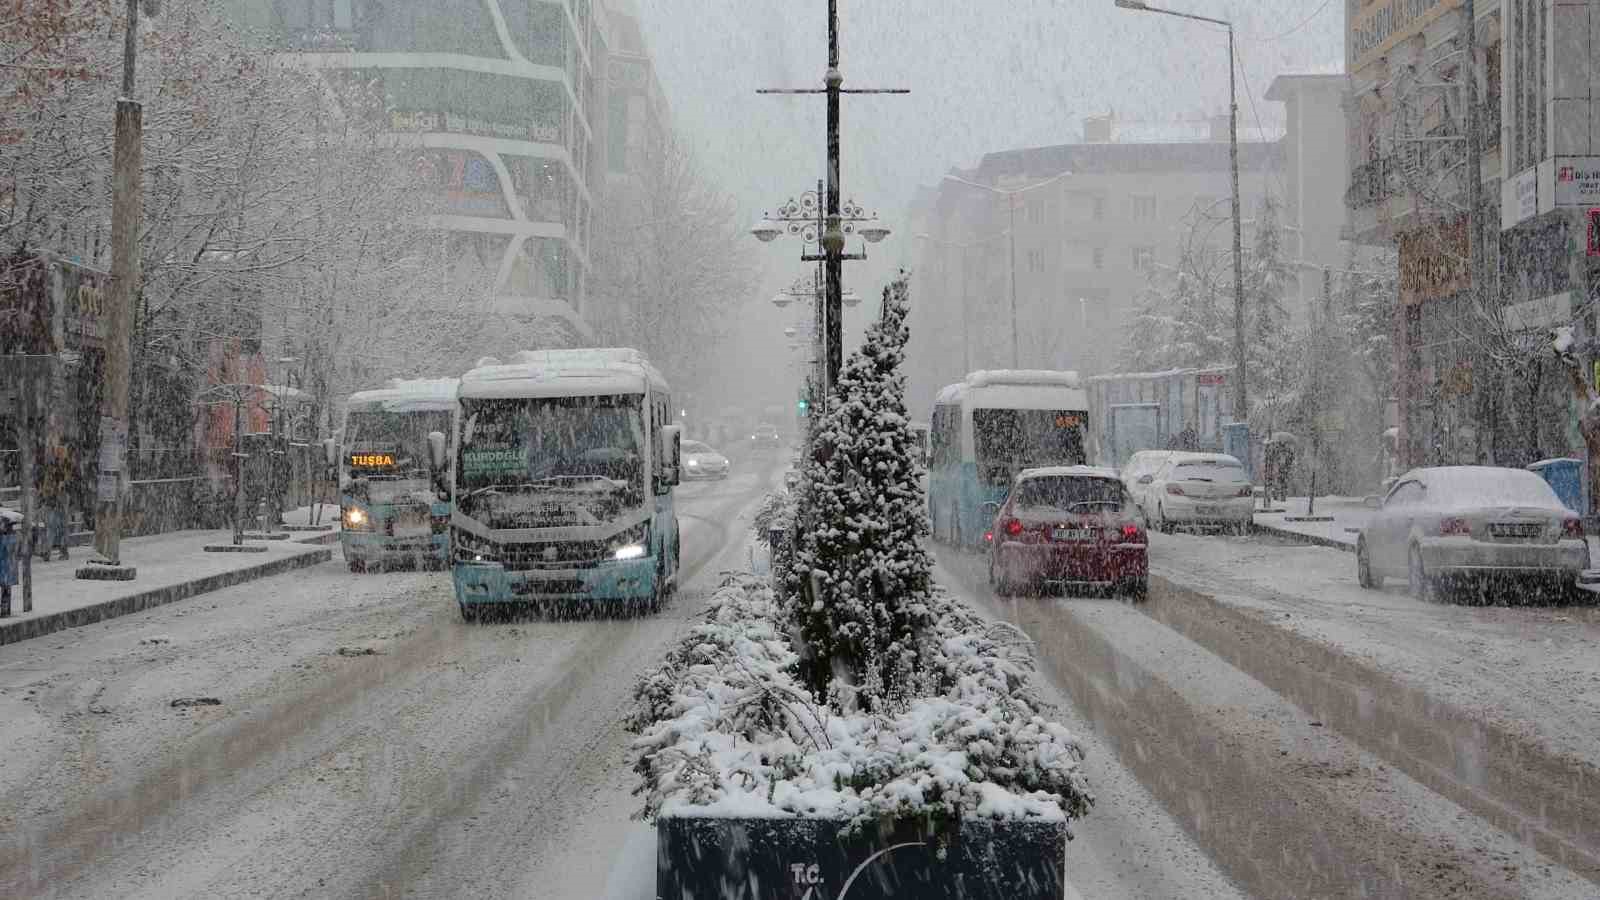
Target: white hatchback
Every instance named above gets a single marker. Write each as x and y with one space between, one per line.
1199 489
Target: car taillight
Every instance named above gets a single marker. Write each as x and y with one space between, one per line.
1246 491
1454 525
1132 534
1013 527
1174 490
1572 528
988 537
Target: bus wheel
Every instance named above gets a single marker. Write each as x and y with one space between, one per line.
468 613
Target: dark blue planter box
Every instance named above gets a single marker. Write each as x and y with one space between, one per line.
806 859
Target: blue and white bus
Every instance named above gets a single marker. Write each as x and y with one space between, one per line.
988 428
389 509
564 465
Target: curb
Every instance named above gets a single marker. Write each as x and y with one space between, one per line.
1300 538
1512 782
13 632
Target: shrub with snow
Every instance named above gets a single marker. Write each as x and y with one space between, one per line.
727 729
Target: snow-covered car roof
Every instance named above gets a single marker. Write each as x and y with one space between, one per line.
1461 486
1072 471
1220 459
8 513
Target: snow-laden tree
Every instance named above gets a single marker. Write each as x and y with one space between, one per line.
671 264
859 578
1269 350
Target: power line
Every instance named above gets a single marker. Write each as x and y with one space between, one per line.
1303 23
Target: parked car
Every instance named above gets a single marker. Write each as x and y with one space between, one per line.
1068 525
1441 528
766 436
700 461
1140 464
1208 489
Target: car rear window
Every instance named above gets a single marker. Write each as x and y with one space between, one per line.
1209 470
695 447
1065 493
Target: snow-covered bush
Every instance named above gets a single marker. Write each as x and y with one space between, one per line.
776 509
727 729
859 580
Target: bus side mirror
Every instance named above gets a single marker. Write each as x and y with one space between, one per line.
670 456
330 451
436 463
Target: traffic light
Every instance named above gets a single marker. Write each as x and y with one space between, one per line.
802 405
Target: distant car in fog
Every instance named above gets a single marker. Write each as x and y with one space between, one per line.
1198 489
701 461
766 436
1442 528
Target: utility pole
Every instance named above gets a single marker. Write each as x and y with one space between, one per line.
1475 249
1016 359
1241 409
126 200
832 237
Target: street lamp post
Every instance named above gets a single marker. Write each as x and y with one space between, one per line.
1011 197
1240 412
832 238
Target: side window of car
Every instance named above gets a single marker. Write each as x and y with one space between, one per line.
1404 494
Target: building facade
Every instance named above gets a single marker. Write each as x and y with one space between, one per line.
1085 243
506 102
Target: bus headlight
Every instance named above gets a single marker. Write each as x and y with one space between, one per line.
633 543
473 549
356 519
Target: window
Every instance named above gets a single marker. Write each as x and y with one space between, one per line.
1099 258
1144 258
1099 209
1143 207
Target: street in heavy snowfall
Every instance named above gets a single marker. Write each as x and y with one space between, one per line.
830 451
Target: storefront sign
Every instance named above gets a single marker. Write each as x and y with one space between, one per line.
1534 259
1211 378
1433 262
1382 24
1540 314
542 132
1519 198
1577 181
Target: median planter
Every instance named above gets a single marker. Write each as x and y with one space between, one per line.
961 787
818 859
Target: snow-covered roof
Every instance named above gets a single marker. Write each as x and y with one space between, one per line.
565 373
1074 471
1151 376
409 395
1184 456
1454 487
1016 389
987 377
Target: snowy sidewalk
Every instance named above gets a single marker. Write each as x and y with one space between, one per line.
170 566
1348 515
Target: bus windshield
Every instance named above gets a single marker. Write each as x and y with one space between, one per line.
380 433
1007 441
586 449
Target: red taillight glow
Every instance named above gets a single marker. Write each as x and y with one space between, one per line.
1454 525
1174 490
988 537
1132 535
1013 527
1572 528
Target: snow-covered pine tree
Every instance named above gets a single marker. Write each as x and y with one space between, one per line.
859 579
1268 341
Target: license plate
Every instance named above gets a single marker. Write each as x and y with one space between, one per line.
1072 534
1205 510
1515 529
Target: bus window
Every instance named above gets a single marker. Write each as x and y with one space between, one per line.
1010 440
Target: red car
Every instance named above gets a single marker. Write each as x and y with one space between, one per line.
1068 525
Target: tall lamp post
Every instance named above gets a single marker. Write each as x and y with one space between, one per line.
805 218
833 234
1240 412
1011 201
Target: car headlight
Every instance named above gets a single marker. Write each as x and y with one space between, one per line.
356 518
694 463
633 543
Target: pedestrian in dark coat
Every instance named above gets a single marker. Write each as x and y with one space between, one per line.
8 564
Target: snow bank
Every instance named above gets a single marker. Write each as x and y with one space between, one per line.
726 729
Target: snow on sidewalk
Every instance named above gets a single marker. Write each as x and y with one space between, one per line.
1349 515
170 567
1533 670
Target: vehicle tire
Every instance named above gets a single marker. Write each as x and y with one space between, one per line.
357 565
1137 589
469 614
997 580
1163 524
1419 584
1364 575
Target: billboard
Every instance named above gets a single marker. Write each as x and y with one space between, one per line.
1378 25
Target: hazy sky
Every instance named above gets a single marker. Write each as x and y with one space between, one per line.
985 76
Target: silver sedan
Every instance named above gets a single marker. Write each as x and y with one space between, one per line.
1441 528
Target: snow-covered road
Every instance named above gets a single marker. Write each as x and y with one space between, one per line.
364 742
1285 805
